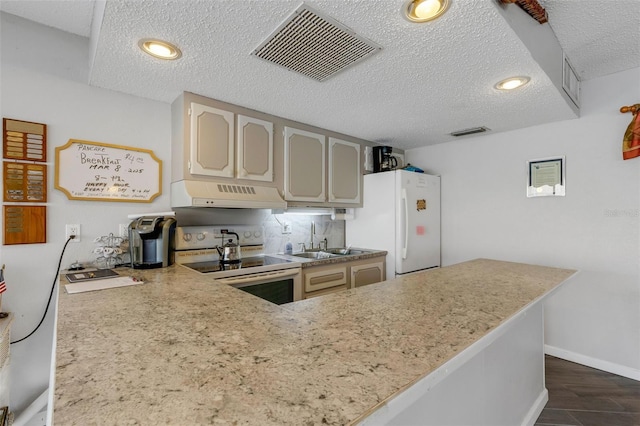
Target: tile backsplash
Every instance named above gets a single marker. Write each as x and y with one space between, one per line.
275 240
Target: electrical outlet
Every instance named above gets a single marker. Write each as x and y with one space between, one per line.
286 227
73 229
123 230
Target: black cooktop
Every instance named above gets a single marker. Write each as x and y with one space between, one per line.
245 263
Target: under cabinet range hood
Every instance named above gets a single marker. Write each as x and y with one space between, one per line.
195 193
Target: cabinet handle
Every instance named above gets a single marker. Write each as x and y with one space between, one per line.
237 281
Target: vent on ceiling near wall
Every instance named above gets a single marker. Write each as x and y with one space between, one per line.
470 131
314 45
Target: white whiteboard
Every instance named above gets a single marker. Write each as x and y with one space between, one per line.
105 172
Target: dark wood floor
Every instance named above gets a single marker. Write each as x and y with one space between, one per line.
583 396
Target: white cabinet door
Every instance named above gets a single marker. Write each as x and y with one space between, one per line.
344 172
255 149
211 142
304 166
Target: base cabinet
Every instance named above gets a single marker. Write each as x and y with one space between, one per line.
480 379
325 279
369 273
321 280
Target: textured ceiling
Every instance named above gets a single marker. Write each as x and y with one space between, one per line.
427 81
600 37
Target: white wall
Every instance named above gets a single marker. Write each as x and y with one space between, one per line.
594 228
43 79
71 109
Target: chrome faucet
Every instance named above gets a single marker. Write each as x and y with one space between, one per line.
313 232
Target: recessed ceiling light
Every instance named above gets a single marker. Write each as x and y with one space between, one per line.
159 49
424 10
512 83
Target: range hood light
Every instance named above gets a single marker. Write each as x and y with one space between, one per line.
311 211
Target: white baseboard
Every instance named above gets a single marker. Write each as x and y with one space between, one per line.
535 410
599 364
39 419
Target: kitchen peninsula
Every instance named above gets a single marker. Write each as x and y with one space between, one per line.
180 349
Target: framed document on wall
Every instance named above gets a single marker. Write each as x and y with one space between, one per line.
546 177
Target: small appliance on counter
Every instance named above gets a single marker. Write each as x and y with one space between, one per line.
383 160
151 240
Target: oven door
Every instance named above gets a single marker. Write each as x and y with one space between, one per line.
277 287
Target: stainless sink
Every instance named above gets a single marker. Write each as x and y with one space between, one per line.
315 255
345 252
329 253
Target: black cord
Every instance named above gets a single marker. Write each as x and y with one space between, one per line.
53 287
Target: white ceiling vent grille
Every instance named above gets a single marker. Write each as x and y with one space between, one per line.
314 45
470 131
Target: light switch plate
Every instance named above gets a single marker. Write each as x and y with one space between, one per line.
286 227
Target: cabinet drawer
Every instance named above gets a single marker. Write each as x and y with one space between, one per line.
326 278
325 291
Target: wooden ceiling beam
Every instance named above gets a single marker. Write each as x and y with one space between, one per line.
532 7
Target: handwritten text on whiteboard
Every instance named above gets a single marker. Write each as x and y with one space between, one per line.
99 171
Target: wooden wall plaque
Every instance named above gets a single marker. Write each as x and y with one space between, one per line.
24 140
24 182
25 224
98 171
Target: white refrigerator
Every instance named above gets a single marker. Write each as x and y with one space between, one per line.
400 214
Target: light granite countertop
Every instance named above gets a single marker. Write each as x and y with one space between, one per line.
181 349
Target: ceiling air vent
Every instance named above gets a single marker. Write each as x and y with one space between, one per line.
470 131
314 45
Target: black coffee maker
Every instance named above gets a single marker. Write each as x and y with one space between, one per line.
383 161
151 240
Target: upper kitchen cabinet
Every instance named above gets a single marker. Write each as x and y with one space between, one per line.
308 171
344 172
212 140
304 166
255 149
219 142
212 143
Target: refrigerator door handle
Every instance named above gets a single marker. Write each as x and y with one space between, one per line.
406 223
